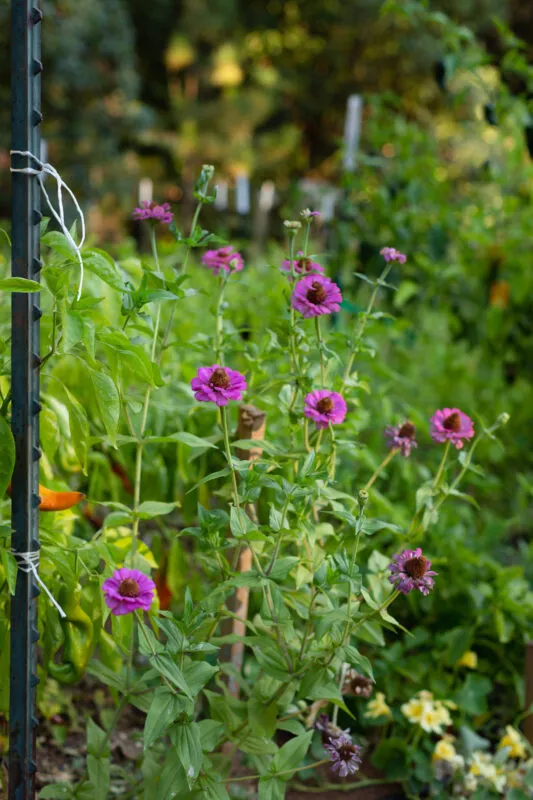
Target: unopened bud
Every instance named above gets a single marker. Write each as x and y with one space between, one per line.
308 214
362 499
503 418
292 226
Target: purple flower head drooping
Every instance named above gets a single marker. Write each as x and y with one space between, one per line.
302 266
127 590
328 730
218 385
450 424
411 570
401 436
158 212
316 295
344 755
324 407
391 254
225 259
308 214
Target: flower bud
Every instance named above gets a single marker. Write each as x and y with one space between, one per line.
503 418
292 226
362 499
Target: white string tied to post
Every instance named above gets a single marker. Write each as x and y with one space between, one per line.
59 215
29 562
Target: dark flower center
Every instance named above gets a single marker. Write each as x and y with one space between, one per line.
304 264
416 567
347 751
407 431
453 422
129 588
219 379
325 405
316 294
361 685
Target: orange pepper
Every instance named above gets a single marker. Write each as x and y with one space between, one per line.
55 501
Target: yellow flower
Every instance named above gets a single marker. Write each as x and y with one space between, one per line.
444 750
468 659
513 742
378 707
431 715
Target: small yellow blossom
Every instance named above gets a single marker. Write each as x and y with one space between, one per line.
432 715
468 659
481 766
444 750
513 742
378 707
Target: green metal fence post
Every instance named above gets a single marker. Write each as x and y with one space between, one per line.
26 216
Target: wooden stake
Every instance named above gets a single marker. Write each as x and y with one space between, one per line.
252 425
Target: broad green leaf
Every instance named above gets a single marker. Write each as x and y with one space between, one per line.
187 742
7 457
292 754
9 564
101 264
59 243
56 791
164 664
23 285
155 508
164 711
240 523
198 674
211 733
108 402
73 328
98 759
173 781
271 789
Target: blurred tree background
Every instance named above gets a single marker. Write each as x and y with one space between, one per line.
133 88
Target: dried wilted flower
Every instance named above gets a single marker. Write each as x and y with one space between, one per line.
411 570
357 684
401 436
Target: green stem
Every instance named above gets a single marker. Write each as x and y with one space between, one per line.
333 454
219 354
225 430
168 329
441 465
300 768
279 536
364 320
320 345
306 237
381 467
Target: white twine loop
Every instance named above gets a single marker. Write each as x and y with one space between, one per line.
29 562
47 169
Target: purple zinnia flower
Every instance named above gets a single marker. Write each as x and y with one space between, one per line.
324 407
218 385
127 590
391 254
159 212
401 436
302 266
225 258
411 570
450 424
316 295
344 755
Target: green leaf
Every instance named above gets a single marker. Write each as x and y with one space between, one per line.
73 328
79 425
9 564
108 402
292 754
98 759
211 733
186 739
23 285
173 781
102 265
59 243
391 755
7 459
240 523
472 696
56 791
155 508
198 674
271 789
164 664
185 438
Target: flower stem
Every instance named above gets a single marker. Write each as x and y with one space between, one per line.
364 319
320 345
441 465
225 430
219 354
381 467
279 774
